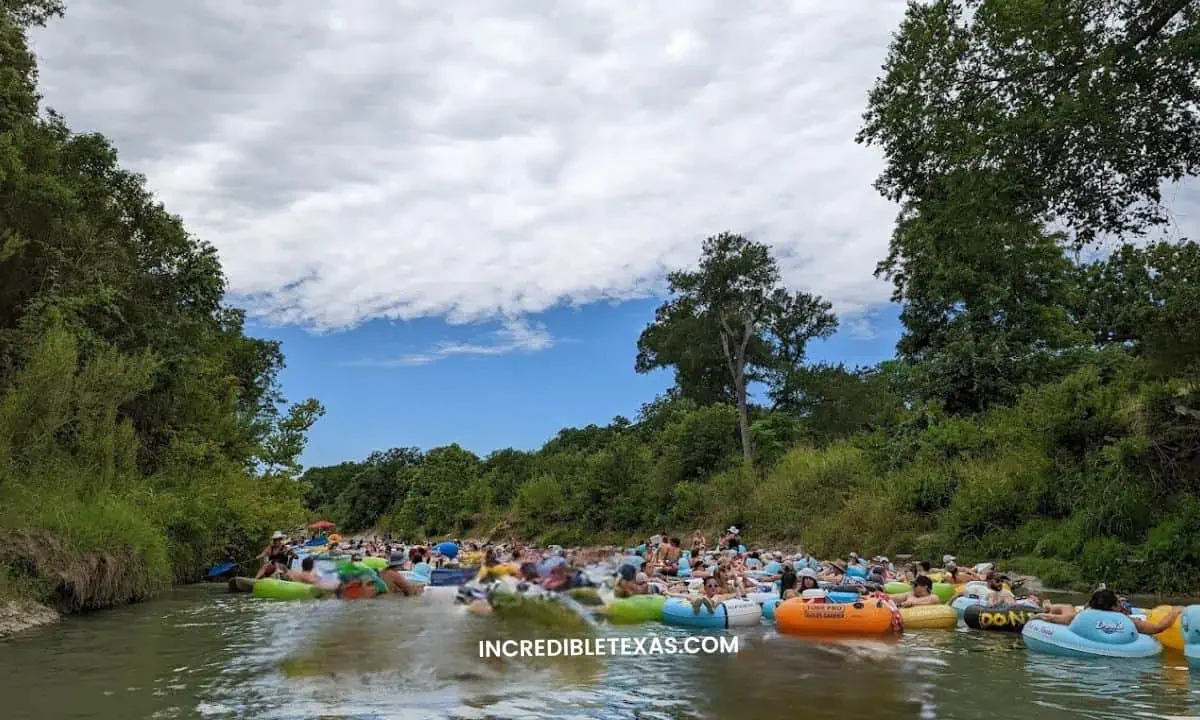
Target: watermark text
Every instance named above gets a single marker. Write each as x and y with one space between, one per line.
608 647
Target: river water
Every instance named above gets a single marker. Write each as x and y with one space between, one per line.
201 653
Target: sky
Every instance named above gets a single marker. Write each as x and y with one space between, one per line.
458 217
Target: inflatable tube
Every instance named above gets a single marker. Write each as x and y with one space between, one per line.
944 592
768 608
375 563
1172 637
241 584
1093 633
588 596
1189 626
897 588
447 550
857 571
273 589
929 617
762 597
843 596
976 588
998 618
962 602
636 609
452 576
870 617
421 573
731 613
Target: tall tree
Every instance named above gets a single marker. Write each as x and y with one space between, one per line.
734 301
999 119
1089 105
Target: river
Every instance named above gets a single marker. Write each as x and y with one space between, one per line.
201 653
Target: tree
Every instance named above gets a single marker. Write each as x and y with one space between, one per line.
1148 299
283 447
999 119
1087 106
734 302
835 402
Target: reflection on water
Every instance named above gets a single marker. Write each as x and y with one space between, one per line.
203 654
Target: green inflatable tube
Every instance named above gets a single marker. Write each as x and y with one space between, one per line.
585 596
944 591
274 589
375 563
637 609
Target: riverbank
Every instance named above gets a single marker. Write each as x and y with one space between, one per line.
17 616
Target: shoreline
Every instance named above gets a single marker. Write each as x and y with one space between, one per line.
18 616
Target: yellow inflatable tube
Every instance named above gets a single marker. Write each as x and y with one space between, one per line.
1172 637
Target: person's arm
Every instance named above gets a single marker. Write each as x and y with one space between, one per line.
1056 619
1153 628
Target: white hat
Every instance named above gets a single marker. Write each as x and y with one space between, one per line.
733 529
278 535
853 554
948 559
806 572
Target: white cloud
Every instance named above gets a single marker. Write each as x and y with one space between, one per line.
409 159
859 327
515 335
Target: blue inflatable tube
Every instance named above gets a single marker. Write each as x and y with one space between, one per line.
679 612
731 613
843 597
768 608
962 602
857 571
1093 633
1189 625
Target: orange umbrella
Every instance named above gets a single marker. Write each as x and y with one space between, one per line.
322 525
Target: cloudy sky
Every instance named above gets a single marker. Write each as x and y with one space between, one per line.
467 167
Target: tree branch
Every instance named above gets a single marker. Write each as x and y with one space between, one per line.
1156 26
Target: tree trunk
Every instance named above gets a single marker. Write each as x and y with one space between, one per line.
739 384
736 357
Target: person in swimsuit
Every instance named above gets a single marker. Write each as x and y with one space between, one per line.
397 583
305 574
922 594
1105 599
278 556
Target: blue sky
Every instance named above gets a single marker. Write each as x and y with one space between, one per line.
486 402
454 236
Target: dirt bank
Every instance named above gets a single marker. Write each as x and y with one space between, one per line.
21 615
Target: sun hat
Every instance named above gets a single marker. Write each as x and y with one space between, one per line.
278 535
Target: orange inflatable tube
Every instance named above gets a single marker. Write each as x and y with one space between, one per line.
872 616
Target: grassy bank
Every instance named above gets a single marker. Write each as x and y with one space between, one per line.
143 436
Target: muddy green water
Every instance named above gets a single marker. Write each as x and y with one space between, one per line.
200 653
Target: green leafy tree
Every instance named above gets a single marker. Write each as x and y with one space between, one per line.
1147 298
283 447
734 301
1086 106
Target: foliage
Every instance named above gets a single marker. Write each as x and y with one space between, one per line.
733 302
142 437
1082 108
